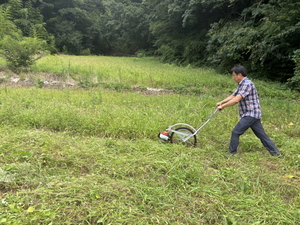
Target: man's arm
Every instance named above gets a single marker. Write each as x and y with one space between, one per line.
225 100
229 101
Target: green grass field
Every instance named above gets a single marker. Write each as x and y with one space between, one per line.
90 154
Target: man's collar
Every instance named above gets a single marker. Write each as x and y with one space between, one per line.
243 80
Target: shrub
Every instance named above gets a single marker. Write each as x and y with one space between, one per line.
141 53
294 82
86 51
21 53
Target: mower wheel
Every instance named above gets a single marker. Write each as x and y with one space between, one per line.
180 134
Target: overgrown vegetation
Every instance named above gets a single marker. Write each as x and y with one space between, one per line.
91 155
294 82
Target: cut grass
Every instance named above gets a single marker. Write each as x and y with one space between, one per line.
68 179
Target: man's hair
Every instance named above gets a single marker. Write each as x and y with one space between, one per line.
239 69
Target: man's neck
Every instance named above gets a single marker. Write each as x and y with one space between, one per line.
242 79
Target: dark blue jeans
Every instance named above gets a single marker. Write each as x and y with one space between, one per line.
257 128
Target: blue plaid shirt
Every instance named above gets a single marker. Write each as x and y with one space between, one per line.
249 105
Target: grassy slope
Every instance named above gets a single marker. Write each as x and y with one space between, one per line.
89 156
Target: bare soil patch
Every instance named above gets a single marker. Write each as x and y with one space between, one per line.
47 80
52 80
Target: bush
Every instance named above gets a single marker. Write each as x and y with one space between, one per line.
86 51
21 53
141 53
294 82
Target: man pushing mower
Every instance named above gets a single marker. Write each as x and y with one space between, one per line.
249 109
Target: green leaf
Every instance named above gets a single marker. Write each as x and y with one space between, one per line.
30 209
3 220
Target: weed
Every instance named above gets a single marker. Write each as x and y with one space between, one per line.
39 83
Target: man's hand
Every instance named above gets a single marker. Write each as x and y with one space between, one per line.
218 104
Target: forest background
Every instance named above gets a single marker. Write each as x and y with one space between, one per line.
263 35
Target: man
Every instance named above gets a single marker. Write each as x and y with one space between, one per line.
249 109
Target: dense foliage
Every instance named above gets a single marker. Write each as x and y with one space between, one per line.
294 82
261 34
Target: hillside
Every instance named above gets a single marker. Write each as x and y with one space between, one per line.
89 154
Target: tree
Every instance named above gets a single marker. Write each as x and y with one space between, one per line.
67 38
263 38
71 23
27 18
180 28
20 52
7 27
122 28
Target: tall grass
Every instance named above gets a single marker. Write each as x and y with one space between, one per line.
91 155
143 72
